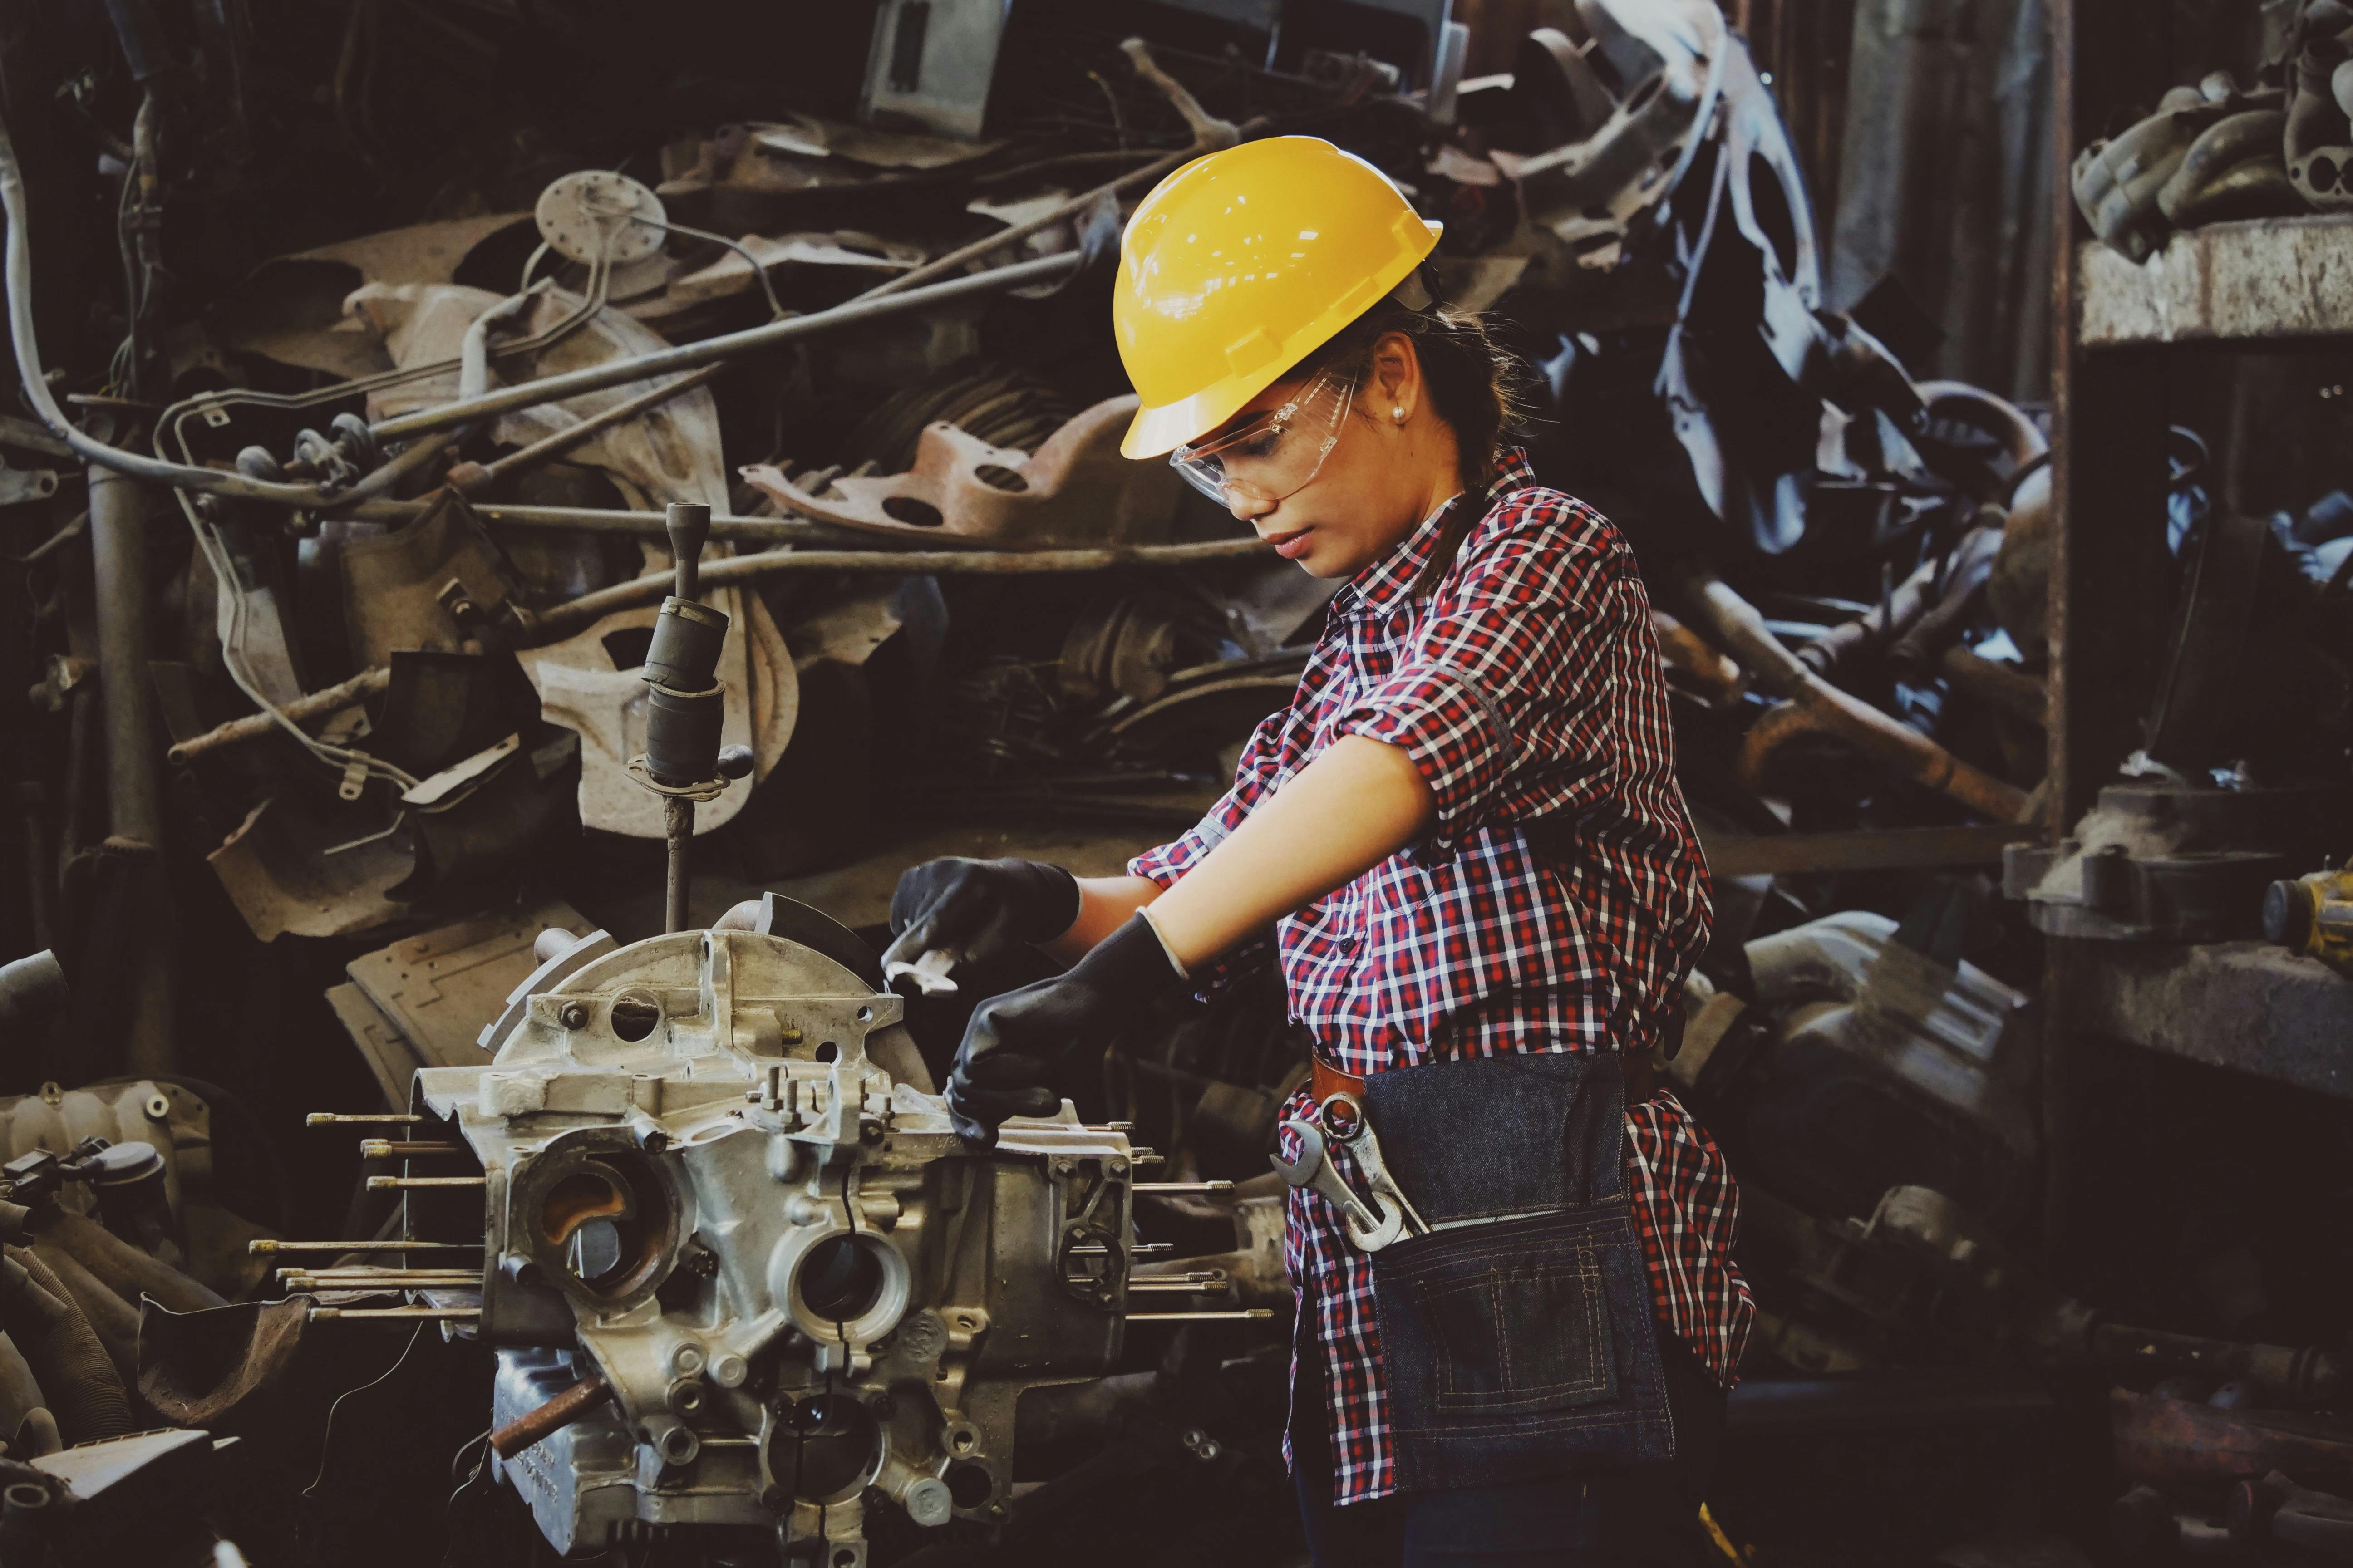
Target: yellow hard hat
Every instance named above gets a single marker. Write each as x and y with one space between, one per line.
1241 263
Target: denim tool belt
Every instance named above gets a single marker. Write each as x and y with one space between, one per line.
1515 1323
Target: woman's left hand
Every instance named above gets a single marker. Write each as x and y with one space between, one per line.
1023 1048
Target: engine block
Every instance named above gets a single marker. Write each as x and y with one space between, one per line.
806 1295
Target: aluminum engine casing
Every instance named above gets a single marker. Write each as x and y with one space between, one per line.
807 1293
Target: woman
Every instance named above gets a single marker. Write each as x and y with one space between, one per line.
1467 837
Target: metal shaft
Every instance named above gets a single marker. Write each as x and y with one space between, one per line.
558 1413
728 345
677 829
263 1248
118 548
401 1183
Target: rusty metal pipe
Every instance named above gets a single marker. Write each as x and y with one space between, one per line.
253 726
552 1416
118 548
1812 705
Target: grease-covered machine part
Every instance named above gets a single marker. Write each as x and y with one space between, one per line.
806 1294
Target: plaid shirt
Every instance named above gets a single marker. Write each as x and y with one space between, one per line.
1527 686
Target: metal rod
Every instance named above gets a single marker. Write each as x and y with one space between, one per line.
410 1314
728 345
1183 1188
677 832
336 1118
118 548
1216 1286
397 1183
297 1280
253 726
469 477
263 1248
1236 1315
1097 1249
390 1149
555 1415
563 620
613 520
434 1277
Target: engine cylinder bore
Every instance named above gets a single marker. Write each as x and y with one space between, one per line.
599 1223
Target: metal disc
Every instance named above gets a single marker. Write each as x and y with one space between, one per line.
582 214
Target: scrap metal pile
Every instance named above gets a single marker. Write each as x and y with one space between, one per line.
366 392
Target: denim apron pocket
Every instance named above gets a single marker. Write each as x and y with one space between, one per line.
1517 1336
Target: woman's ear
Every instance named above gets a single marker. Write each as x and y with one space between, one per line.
1393 389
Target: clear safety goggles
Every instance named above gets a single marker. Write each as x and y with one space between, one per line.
1273 455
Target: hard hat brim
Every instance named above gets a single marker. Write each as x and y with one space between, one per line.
1157 431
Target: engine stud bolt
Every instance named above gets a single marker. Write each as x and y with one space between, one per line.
575 1015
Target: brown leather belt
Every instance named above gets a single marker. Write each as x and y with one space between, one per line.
1327 1080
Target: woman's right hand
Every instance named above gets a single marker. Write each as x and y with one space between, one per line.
979 911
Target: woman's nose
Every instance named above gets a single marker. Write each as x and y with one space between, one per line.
1247 508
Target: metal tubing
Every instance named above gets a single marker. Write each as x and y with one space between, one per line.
604 520
563 619
1182 1187
18 264
118 548
727 346
469 477
677 832
253 726
401 1183
337 1118
405 1314
262 1248
1237 1315
552 1416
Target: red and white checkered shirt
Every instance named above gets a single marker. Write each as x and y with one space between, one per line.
1527 686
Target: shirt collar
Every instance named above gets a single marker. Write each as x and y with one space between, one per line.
1379 587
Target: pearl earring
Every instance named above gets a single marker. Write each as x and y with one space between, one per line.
1398 415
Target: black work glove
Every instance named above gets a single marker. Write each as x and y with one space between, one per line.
978 910
1022 1048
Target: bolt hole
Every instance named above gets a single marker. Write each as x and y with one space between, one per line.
961 1442
970 1485
828 1052
845 1560
866 1014
634 1017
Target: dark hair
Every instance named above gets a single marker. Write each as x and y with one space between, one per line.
1476 384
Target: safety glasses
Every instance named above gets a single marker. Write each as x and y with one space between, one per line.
1274 455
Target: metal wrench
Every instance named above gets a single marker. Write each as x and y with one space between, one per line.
1369 1231
1365 1149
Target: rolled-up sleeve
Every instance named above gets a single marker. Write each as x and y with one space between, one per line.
1516 638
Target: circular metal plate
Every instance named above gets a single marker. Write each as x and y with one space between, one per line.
583 213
